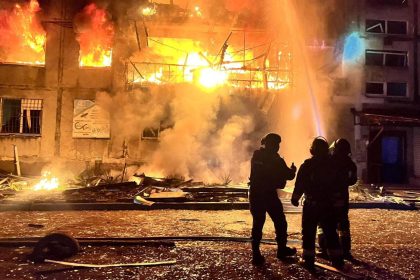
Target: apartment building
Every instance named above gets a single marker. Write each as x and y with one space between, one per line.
387 114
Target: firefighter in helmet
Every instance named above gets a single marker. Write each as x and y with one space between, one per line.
346 177
315 180
268 173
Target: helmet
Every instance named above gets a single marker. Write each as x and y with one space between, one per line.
271 138
319 146
341 147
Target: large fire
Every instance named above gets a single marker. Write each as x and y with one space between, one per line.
179 60
22 38
95 36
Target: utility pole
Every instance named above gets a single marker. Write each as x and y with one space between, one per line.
60 68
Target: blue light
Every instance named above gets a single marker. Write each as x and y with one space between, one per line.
353 47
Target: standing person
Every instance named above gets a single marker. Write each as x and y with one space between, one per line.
346 177
268 173
315 180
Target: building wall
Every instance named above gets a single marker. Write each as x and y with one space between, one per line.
393 43
58 83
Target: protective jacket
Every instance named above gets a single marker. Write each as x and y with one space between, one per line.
268 172
315 179
345 175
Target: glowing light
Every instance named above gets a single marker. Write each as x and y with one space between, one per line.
148 11
353 47
198 12
170 60
22 38
211 78
48 182
96 37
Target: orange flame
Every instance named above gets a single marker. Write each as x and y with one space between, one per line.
95 37
22 37
48 182
183 60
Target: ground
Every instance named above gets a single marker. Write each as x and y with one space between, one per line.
386 243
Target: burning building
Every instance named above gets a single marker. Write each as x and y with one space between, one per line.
177 89
183 88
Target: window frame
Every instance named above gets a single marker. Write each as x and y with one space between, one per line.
38 107
385 27
402 3
384 53
385 89
157 138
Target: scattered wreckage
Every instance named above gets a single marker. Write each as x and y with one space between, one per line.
154 192
140 189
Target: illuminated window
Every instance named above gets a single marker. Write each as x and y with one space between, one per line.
21 116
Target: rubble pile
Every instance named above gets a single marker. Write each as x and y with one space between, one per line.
143 189
363 192
147 190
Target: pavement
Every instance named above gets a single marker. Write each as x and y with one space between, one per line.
386 243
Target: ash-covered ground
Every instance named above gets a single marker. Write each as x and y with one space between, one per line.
386 244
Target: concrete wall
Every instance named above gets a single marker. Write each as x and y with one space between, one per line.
37 145
57 83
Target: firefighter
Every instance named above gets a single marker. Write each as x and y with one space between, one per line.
315 180
347 176
268 173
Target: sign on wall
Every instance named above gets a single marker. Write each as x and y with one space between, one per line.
90 120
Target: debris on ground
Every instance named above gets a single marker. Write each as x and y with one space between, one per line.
147 190
140 188
364 192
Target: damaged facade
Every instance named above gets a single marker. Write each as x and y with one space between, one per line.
49 104
49 101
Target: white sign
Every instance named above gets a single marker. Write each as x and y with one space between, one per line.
90 120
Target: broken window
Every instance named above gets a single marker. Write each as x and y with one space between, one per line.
151 133
21 116
388 27
375 26
396 89
374 88
396 27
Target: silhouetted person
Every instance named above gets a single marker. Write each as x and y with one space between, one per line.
346 176
315 179
268 173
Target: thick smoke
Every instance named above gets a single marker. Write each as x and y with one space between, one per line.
210 136
206 136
